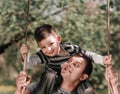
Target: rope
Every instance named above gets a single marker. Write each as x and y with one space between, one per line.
26 36
26 33
108 28
110 88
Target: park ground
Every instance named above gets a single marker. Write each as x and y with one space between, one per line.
6 89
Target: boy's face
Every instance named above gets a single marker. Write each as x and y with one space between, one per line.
73 69
50 45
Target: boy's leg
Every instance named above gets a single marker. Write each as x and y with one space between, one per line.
32 86
46 83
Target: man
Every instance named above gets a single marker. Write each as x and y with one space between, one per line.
74 72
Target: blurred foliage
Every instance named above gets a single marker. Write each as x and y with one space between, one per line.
81 22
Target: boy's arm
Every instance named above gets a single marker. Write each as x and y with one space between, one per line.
33 60
99 59
94 57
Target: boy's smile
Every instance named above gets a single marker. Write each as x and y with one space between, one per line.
50 46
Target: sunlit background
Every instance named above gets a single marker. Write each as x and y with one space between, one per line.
82 22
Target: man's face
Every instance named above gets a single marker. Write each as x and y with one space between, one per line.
73 69
50 45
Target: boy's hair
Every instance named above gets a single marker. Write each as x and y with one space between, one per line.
89 66
43 31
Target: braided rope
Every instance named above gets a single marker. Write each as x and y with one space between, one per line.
26 36
110 88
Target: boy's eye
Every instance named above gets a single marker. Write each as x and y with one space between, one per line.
42 47
51 43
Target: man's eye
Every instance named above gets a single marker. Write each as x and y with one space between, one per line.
69 61
77 65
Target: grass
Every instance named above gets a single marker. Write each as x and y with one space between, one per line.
9 89
4 89
102 91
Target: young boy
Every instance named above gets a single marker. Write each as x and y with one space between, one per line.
53 52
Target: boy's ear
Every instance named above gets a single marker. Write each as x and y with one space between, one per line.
84 77
59 38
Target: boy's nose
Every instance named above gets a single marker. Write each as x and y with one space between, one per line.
49 48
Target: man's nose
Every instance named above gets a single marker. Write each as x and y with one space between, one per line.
70 67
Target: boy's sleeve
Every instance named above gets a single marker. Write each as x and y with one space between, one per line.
33 60
94 57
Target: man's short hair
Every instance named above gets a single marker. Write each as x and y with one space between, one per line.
89 66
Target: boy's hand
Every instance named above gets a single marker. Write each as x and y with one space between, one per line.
24 50
107 60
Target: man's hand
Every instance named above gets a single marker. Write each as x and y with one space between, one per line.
22 80
111 75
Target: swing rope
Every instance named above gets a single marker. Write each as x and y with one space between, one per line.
110 88
26 32
108 28
26 37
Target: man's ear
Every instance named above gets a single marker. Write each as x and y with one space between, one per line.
59 38
83 77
